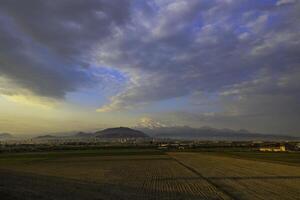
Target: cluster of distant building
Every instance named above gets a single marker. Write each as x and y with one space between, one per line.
234 145
48 143
280 148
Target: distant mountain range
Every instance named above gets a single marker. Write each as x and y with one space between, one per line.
110 133
208 133
175 132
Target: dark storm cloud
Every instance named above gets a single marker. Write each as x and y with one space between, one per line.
45 44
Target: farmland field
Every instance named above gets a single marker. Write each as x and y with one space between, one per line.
143 174
245 178
287 158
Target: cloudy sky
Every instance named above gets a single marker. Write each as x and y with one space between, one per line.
87 64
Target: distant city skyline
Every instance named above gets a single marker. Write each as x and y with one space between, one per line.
86 65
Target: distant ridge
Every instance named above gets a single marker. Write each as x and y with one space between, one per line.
46 137
109 133
83 135
172 132
120 132
5 136
208 133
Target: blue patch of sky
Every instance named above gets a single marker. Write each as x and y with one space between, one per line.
112 73
109 82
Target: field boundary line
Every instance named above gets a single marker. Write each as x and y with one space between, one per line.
203 177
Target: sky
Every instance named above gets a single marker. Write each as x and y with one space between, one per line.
68 65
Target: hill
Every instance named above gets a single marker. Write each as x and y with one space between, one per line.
120 132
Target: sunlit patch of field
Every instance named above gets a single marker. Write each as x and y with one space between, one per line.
245 178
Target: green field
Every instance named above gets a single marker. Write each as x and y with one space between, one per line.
149 174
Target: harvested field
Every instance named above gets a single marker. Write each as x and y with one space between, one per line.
133 176
245 179
144 174
287 158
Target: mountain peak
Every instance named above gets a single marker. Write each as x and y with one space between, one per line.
146 122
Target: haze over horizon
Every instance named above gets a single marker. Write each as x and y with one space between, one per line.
91 64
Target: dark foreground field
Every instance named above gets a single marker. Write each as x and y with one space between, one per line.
149 174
